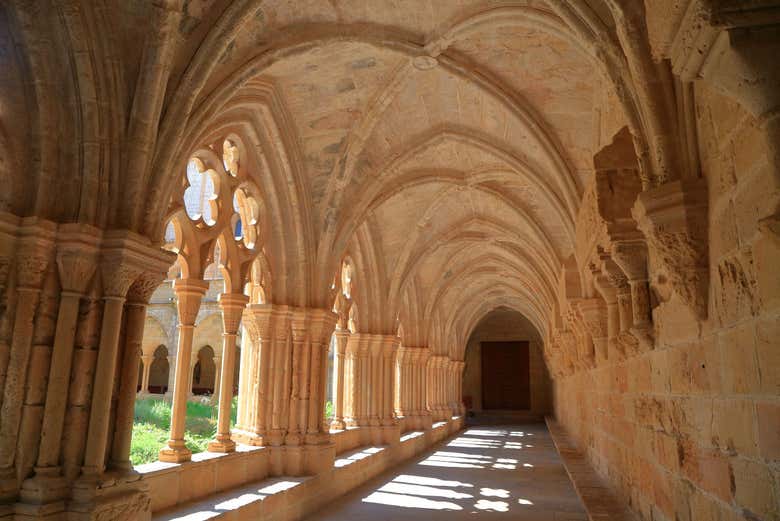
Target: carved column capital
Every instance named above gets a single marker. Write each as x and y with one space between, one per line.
34 246
140 292
77 256
232 306
189 293
321 326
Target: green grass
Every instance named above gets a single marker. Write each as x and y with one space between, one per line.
152 422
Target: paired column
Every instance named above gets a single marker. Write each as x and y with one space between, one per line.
189 293
232 306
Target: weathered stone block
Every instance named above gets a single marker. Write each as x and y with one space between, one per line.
733 427
755 489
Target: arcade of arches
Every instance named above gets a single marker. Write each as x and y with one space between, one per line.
418 210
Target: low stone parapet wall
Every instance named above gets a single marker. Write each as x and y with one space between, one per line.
238 485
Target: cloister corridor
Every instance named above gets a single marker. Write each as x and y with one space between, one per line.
277 260
509 472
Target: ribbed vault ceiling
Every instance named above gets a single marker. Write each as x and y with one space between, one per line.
442 145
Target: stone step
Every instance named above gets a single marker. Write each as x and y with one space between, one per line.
599 499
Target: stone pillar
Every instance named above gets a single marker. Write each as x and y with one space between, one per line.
369 377
356 381
322 325
135 317
436 400
339 360
264 395
77 258
459 387
421 388
189 293
147 361
232 306
34 245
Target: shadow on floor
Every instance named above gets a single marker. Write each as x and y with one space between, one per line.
499 472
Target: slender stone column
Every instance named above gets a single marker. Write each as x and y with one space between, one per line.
189 293
232 308
77 259
33 257
339 359
217 378
147 361
135 314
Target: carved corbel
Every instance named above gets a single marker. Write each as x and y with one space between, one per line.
673 218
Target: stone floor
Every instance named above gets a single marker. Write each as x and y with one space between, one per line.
510 472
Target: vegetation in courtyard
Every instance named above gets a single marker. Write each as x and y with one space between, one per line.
152 423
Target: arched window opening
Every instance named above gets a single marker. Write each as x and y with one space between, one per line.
216 203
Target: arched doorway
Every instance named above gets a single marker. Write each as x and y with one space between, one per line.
505 367
204 372
158 374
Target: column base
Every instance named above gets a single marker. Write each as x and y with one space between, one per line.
110 496
54 511
46 486
223 446
338 425
8 484
248 438
319 458
175 452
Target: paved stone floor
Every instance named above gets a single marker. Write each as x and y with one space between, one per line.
510 472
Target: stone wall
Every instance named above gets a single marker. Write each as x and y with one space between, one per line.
506 325
690 429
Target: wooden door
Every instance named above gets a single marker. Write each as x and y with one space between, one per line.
506 382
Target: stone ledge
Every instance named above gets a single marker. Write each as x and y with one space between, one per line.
599 500
282 498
